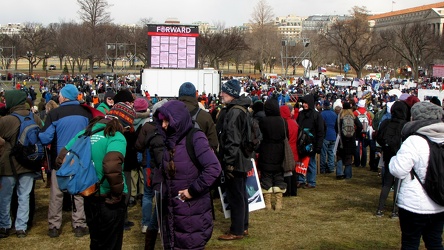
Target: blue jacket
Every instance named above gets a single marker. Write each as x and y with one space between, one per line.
62 124
330 118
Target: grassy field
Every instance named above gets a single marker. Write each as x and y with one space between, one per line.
337 214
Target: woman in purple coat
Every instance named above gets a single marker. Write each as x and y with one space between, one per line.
186 218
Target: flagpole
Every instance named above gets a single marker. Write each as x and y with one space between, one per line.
392 5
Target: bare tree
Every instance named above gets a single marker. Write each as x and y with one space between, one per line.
217 47
264 33
95 15
415 43
36 41
94 12
354 41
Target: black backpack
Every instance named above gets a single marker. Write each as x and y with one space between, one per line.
434 179
390 138
253 137
305 142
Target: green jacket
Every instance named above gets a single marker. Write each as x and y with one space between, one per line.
103 107
108 154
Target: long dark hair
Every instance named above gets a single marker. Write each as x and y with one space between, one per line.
112 125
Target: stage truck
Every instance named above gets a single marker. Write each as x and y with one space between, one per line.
166 82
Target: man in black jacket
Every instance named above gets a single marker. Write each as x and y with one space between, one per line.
311 119
235 164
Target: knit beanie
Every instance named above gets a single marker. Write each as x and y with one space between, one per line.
187 89
123 95
110 94
337 103
411 100
140 105
232 88
361 103
69 92
426 111
158 105
124 113
14 98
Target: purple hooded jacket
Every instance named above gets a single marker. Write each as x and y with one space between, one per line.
189 224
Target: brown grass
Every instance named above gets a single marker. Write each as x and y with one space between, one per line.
337 214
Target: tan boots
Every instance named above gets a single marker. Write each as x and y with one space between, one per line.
278 193
267 197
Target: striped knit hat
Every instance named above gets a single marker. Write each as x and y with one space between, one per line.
124 113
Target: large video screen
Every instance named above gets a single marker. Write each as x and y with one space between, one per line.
172 46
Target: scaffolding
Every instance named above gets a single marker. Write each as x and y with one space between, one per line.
295 60
120 52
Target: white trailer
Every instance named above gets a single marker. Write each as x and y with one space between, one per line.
166 82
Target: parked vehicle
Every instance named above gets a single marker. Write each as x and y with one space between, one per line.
52 67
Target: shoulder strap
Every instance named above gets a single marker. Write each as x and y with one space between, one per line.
240 107
190 148
88 132
412 172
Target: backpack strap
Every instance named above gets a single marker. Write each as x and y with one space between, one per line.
413 174
190 148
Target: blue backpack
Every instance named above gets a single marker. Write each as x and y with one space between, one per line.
77 175
28 149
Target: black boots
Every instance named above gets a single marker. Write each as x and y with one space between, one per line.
150 239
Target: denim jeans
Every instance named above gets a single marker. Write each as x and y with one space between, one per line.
339 170
311 172
24 187
149 217
413 226
361 159
327 157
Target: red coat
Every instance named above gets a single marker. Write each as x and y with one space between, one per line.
293 130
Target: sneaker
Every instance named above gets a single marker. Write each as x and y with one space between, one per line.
132 202
144 228
80 231
4 232
379 213
21 233
53 233
394 215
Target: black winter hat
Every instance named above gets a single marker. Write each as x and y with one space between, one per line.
123 96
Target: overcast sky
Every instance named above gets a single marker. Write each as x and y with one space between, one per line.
230 12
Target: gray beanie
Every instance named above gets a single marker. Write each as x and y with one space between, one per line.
426 111
232 88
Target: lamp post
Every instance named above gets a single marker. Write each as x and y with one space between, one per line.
46 63
29 55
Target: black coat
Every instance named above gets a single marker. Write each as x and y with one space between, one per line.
311 119
271 151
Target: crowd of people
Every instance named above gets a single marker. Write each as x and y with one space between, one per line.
142 153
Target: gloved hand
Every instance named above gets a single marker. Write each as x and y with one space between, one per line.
229 172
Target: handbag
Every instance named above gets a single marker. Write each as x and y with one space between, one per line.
288 164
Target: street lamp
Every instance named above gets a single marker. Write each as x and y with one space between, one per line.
46 63
29 55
